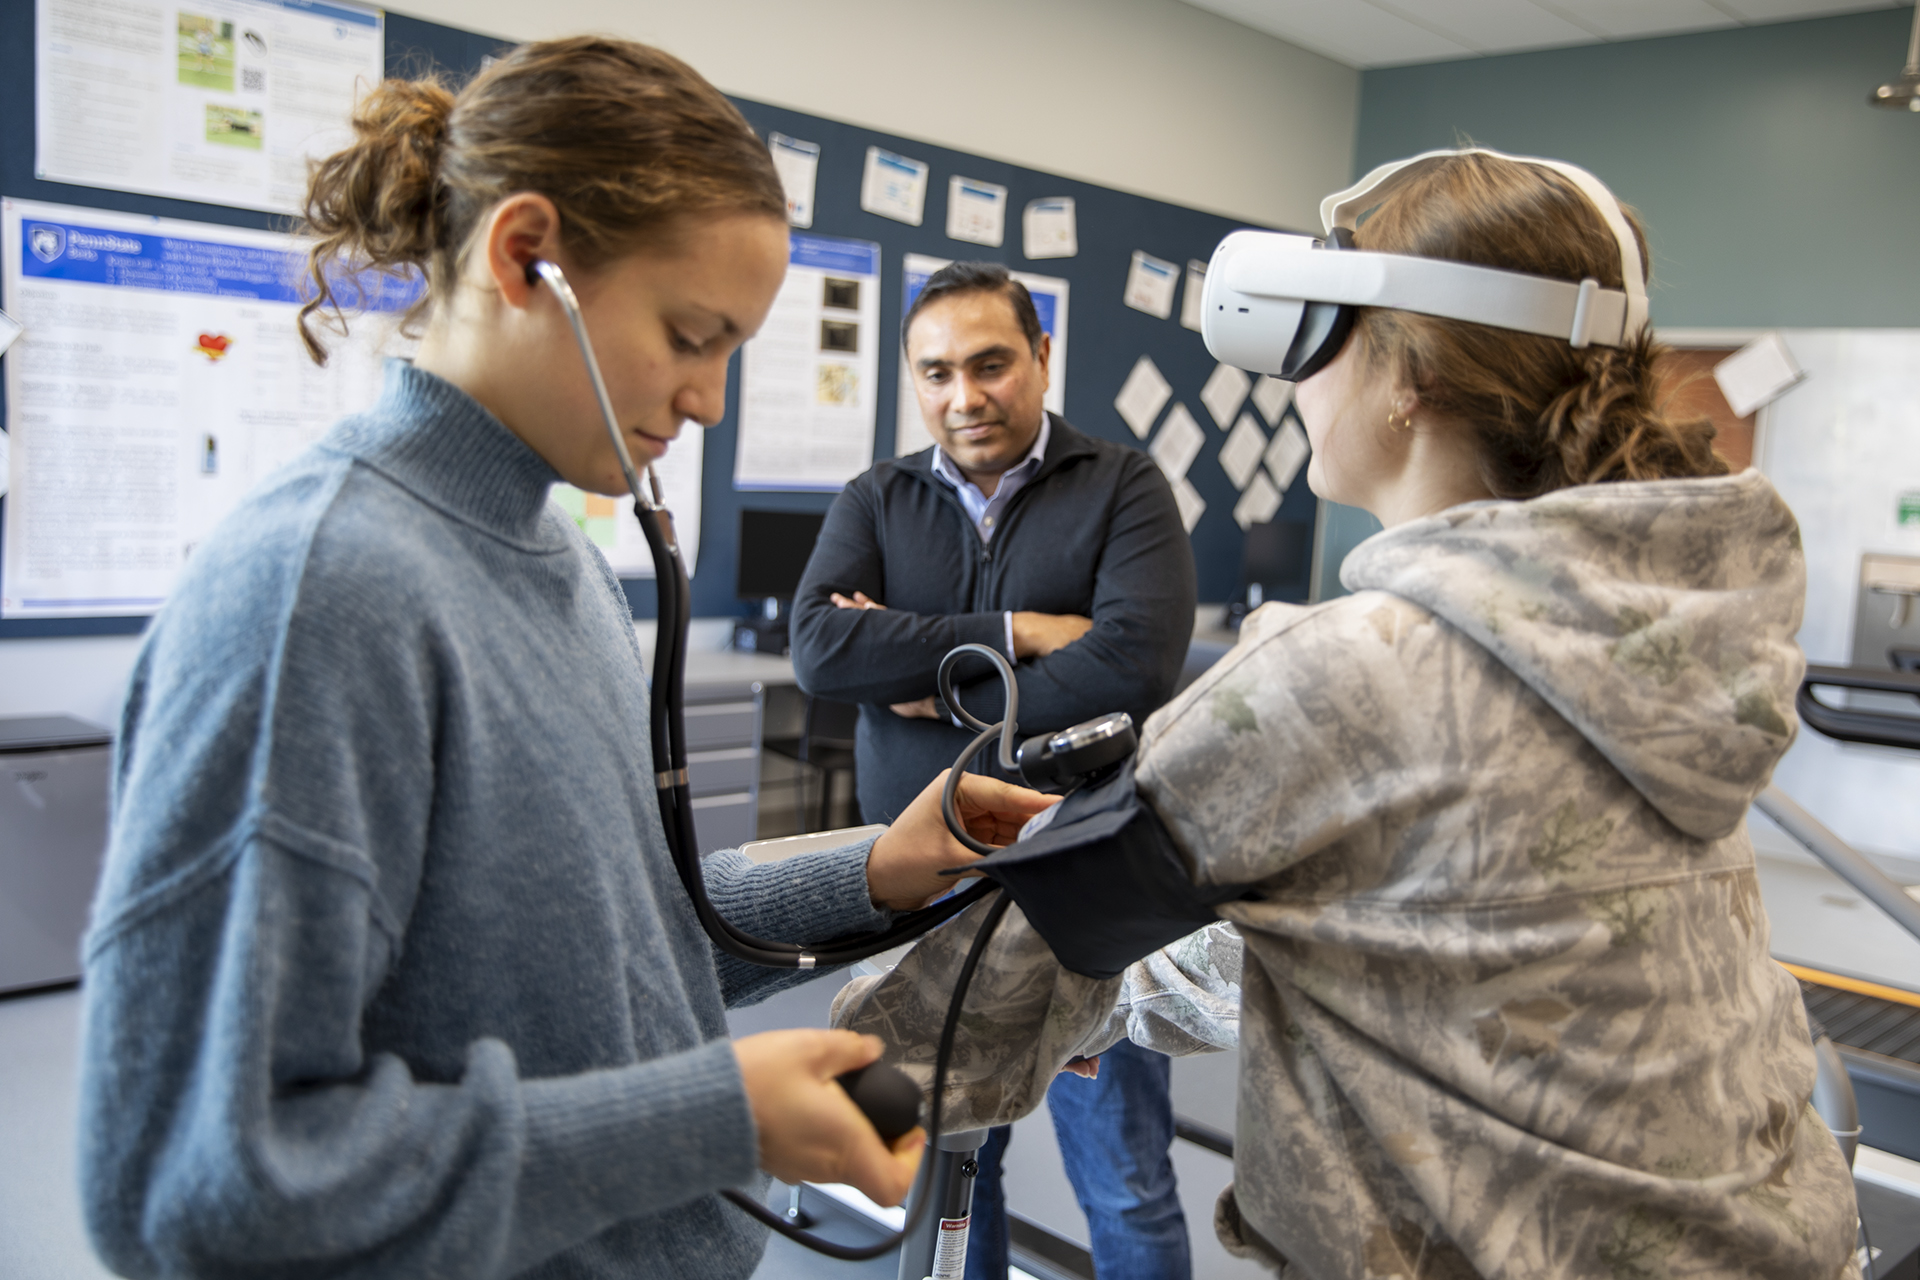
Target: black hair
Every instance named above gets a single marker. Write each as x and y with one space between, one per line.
978 277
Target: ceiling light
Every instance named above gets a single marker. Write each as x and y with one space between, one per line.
1903 94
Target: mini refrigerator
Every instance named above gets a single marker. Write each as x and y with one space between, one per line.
53 835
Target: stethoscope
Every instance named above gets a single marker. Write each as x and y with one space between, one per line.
887 1096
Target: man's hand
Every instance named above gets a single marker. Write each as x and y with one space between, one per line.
1036 635
920 709
809 1128
903 869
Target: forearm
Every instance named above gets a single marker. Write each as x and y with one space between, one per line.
805 899
881 656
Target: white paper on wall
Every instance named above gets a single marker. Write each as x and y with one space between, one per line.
1286 454
809 380
1150 284
1142 396
894 186
1757 373
1240 455
220 101
159 378
1196 293
1258 503
1178 443
1271 396
1192 505
798 164
1050 229
976 211
1225 391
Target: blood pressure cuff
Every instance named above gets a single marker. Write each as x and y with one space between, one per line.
1100 879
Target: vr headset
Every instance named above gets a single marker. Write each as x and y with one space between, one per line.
1283 304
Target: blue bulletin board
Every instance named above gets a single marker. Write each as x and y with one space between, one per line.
1106 336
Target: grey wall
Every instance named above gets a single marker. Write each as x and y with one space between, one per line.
1773 195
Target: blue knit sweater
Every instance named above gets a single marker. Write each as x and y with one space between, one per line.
390 973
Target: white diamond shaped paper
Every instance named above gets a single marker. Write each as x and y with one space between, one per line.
1178 443
1224 391
1288 450
1192 505
1271 396
1258 503
1240 455
1142 396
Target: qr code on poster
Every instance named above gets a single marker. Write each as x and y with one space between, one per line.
253 80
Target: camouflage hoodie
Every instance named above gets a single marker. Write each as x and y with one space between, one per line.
1506 1008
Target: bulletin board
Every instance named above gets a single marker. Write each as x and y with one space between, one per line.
1107 337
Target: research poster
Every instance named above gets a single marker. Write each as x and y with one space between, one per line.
221 101
609 522
809 380
159 378
1049 303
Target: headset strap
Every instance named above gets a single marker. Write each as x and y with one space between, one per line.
1343 208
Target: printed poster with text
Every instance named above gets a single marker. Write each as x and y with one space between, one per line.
221 101
1049 304
159 378
809 380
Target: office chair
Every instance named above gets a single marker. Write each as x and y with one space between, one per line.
824 749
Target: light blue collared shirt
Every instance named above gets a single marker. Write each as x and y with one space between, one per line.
985 511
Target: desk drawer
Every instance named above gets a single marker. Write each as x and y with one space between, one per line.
729 769
724 821
720 724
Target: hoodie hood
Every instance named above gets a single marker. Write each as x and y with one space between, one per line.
1658 618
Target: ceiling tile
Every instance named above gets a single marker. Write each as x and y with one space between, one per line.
1491 26
1632 19
1789 10
1354 31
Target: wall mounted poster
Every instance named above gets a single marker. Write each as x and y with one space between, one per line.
1049 304
221 101
159 378
809 379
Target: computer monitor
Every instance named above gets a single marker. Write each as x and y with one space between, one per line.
1277 558
774 548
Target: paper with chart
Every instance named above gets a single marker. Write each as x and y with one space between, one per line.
1150 284
976 211
1195 295
798 164
159 379
1050 306
894 186
1049 228
221 101
609 524
809 380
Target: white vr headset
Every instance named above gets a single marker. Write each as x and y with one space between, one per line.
1283 304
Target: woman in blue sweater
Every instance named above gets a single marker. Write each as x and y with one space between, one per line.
390 972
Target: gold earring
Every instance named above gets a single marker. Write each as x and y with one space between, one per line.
1406 420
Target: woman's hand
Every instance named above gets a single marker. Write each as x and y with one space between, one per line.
903 870
809 1129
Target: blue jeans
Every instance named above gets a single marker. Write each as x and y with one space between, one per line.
1114 1133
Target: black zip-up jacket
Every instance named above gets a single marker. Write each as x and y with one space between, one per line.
1095 533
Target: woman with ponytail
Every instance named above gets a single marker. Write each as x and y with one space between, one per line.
390 972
